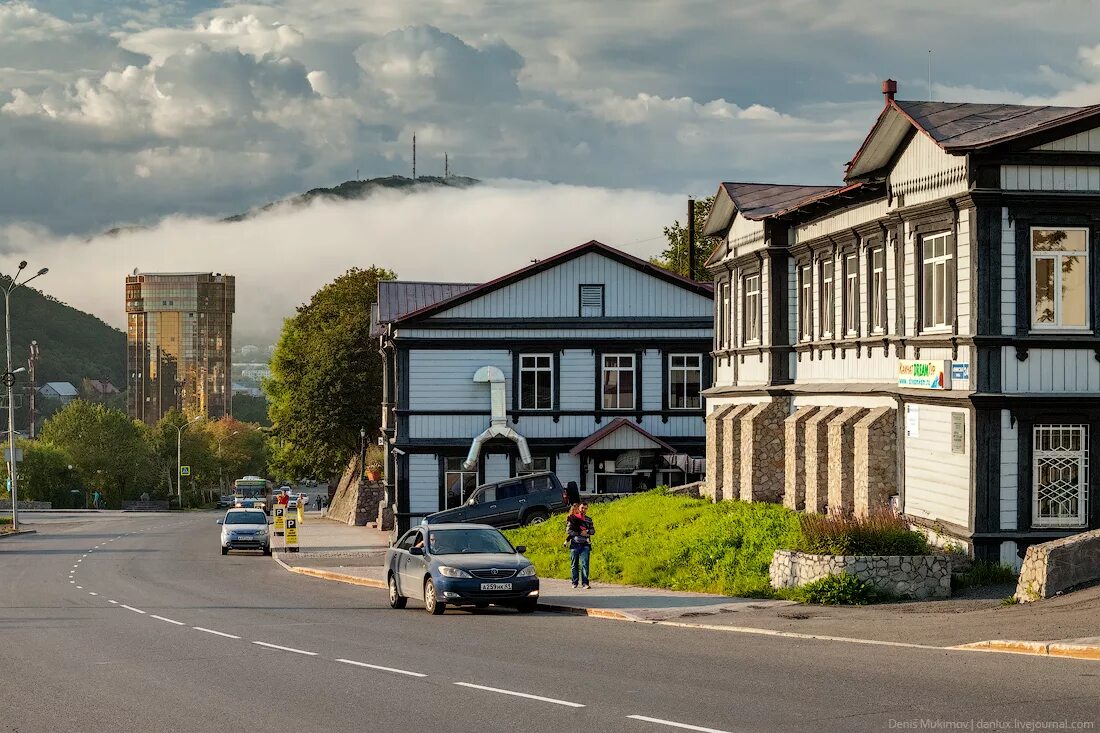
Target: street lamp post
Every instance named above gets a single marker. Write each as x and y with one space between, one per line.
179 462
9 382
362 452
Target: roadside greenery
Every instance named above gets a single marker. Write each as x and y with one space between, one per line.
660 540
835 590
883 533
982 573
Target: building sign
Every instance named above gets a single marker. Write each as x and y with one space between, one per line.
912 421
924 373
958 432
960 370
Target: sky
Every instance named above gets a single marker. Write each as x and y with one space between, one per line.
168 114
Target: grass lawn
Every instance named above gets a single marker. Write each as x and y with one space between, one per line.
676 542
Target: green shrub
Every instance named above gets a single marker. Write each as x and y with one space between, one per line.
878 534
5 520
661 540
982 573
836 590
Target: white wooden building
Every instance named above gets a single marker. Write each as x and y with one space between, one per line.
592 361
929 330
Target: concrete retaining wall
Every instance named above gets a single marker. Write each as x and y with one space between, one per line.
905 576
1052 567
5 505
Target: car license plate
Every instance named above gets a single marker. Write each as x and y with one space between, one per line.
496 586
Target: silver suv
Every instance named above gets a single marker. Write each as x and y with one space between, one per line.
245 529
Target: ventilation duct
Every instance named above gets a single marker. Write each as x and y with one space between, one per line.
498 422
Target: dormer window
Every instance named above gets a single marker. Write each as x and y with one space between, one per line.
591 301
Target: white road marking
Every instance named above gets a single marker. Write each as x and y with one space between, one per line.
131 608
114 602
72 582
566 703
215 633
383 669
795 635
162 618
92 594
76 566
674 724
80 587
285 648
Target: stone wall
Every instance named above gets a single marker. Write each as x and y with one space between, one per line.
762 453
5 505
1052 567
731 452
842 439
817 459
905 576
356 502
715 459
876 459
794 459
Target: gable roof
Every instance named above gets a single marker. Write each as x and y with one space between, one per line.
618 424
63 389
103 386
701 288
957 127
398 297
755 201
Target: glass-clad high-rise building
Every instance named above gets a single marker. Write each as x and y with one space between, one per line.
179 339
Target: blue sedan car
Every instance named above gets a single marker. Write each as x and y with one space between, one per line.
460 565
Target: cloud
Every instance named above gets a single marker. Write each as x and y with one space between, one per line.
279 259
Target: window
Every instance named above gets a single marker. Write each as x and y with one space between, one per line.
1060 463
536 390
938 303
828 299
851 295
591 301
752 309
618 382
805 304
457 481
1059 289
725 326
538 464
685 378
877 256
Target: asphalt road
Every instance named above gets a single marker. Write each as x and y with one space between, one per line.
137 623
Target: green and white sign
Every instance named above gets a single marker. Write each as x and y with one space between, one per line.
924 373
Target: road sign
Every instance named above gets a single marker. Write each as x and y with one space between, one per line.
9 379
18 455
279 519
185 470
291 538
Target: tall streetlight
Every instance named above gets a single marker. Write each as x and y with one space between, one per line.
9 382
179 462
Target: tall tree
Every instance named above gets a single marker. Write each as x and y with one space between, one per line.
326 377
44 475
674 257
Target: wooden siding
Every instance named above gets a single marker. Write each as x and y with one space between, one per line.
793 302
577 383
962 272
744 236
924 172
444 380
937 481
755 369
463 428
909 259
1010 469
568 469
1050 370
423 483
652 365
505 335
843 400
724 371
624 439
1008 274
828 368
1050 178
841 221
628 293
498 466
765 303
1083 142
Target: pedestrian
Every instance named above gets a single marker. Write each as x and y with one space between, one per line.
579 529
96 498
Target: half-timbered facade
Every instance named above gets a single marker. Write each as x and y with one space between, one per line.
926 333
590 363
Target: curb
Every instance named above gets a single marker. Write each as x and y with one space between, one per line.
16 534
1064 649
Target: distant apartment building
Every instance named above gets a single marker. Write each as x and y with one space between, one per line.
179 339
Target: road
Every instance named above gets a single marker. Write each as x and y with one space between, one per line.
137 623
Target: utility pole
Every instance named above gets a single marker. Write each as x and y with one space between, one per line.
32 362
414 157
446 167
691 239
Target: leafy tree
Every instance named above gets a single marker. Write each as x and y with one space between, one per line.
44 475
241 450
251 409
674 257
326 377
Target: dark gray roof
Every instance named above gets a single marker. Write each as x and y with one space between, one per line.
760 200
964 125
398 297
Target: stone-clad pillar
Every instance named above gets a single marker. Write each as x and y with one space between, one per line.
794 462
731 452
842 459
817 458
712 488
762 453
876 458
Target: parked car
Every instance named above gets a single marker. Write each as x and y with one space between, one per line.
245 529
513 502
225 501
460 565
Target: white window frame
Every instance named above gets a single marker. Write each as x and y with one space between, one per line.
524 371
1057 256
460 473
727 315
940 265
876 314
851 294
828 298
521 471
805 303
751 301
698 368
604 369
1080 457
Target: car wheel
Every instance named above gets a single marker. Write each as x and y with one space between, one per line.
225 550
396 599
267 550
527 606
535 517
432 604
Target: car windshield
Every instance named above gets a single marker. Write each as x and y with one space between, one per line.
246 518
467 541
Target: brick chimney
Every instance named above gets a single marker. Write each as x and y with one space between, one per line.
889 89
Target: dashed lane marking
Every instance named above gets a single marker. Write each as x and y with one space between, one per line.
131 608
114 602
171 621
566 703
215 633
285 648
380 668
674 724
92 594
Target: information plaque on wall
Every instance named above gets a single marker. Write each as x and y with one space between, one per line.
958 432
